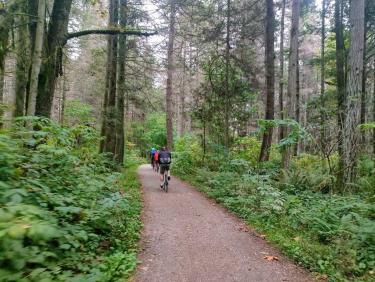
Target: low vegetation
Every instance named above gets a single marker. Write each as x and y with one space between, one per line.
327 232
65 215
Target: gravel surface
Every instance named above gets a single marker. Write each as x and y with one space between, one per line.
187 237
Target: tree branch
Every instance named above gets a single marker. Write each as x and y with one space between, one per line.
110 31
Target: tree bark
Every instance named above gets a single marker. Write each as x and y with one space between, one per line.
120 137
33 20
373 111
170 70
363 88
270 79
292 75
353 99
340 77
322 75
227 64
36 58
51 66
110 125
281 71
22 60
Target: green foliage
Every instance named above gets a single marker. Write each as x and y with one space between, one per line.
148 134
187 155
78 112
296 132
328 233
64 215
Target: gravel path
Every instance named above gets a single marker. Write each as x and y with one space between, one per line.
189 238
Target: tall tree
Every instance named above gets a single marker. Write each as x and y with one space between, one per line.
340 84
170 70
322 73
292 74
227 65
121 86
110 118
354 88
270 79
36 58
281 71
22 59
51 66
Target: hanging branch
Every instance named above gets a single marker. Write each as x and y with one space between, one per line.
111 31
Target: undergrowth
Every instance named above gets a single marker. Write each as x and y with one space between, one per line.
325 232
65 214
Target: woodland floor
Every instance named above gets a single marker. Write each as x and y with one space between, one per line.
188 237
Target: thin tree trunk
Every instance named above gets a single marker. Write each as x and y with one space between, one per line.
170 70
281 78
37 58
298 105
292 75
340 77
120 134
270 79
51 66
227 64
353 101
322 75
1 93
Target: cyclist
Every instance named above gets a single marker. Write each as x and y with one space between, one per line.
164 160
152 153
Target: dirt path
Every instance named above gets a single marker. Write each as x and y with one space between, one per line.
188 238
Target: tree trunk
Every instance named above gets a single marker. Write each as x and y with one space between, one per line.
322 75
2 66
110 125
292 75
22 61
120 137
363 88
51 66
353 99
33 20
373 111
340 77
227 90
170 70
281 78
270 79
36 58
296 146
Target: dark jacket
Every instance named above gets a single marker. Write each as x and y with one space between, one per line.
165 157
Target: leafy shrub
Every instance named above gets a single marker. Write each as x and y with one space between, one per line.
328 233
64 215
187 156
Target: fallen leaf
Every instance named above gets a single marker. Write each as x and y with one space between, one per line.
271 258
263 236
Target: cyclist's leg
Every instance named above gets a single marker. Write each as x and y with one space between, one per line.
161 171
169 172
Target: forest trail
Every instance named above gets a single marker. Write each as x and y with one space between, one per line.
188 238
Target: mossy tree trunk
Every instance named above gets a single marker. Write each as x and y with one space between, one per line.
270 79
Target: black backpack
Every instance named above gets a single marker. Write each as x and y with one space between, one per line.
164 157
